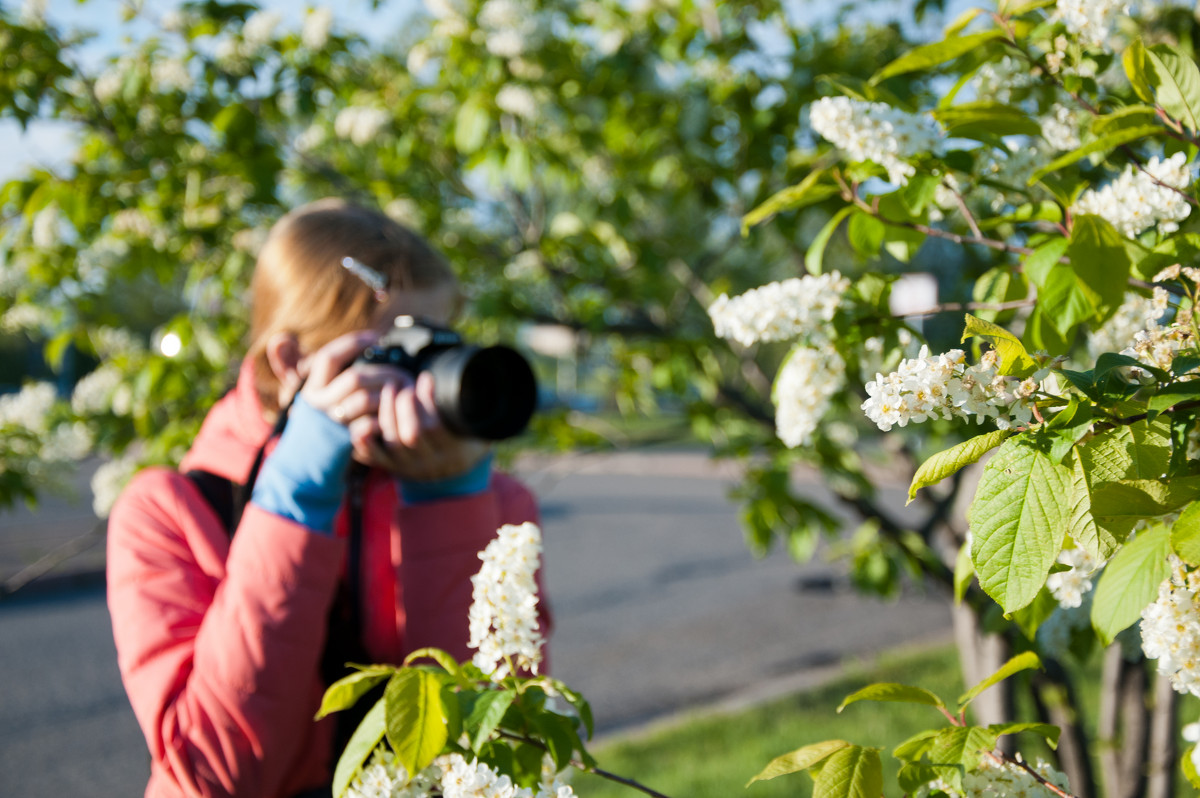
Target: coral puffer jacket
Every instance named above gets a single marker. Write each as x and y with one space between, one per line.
219 642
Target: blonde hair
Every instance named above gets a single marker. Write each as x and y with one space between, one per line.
299 286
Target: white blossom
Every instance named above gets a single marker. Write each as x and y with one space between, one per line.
114 341
317 25
1009 166
68 443
998 80
1069 587
517 100
1138 200
503 615
111 81
806 383
25 316
259 28
1170 628
510 28
876 132
1092 21
28 409
1060 128
109 480
33 12
360 124
311 138
778 311
171 74
104 390
1136 314
46 229
944 387
1003 779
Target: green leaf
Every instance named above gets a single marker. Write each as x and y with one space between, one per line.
471 125
917 746
559 735
986 118
345 692
416 719
1130 582
816 250
1176 81
800 759
1171 395
866 234
1185 535
1142 498
366 737
1017 522
1128 117
1188 763
1099 541
1100 258
1134 61
890 691
964 571
853 772
961 745
948 462
1040 262
931 55
1102 144
1046 731
1014 360
1021 662
485 715
961 22
448 663
808 191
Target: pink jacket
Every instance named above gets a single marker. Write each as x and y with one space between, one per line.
219 643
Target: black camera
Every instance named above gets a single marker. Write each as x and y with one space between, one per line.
480 392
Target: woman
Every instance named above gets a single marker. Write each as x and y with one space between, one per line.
220 634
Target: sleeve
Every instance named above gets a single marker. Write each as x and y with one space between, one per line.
440 545
219 655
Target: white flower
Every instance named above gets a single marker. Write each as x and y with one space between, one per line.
1002 779
876 132
109 480
510 28
1138 200
46 228
310 139
944 387
997 80
503 615
259 28
1093 21
33 13
1068 587
360 124
317 25
28 408
111 81
68 443
114 341
94 392
517 100
1136 314
806 382
171 74
23 317
1060 128
1170 628
796 307
175 21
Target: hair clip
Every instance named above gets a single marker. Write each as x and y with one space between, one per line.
373 279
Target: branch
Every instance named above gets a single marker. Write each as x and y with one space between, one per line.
947 307
1021 763
579 765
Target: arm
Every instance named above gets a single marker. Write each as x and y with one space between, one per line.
219 656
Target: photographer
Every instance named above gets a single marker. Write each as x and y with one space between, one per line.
364 520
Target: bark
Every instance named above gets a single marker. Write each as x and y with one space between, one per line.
1164 748
980 655
1123 730
1057 703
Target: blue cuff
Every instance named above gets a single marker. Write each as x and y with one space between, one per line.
466 484
305 477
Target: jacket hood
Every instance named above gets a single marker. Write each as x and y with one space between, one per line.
232 432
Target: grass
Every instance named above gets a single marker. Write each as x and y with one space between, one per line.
713 756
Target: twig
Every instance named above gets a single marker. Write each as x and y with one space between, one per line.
947 307
579 765
1021 763
51 559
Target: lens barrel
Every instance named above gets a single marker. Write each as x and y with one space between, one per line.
487 393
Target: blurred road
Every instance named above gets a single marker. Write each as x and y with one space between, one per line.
659 608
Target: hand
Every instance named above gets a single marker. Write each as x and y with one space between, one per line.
409 438
348 394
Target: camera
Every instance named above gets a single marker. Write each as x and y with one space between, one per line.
479 392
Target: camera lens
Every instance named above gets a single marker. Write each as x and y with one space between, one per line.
484 393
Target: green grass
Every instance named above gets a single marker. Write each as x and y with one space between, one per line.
716 755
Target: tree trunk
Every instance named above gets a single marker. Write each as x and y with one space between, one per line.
1164 747
1058 704
1123 732
980 655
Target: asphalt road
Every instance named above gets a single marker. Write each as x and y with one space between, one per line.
659 609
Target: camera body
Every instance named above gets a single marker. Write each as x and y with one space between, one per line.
479 392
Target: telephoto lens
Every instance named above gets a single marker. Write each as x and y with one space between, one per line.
479 392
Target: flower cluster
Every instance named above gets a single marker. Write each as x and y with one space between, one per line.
945 387
517 100
1135 315
1060 128
806 382
1068 587
450 776
876 132
360 124
793 308
1002 779
1141 198
503 615
1171 628
1093 21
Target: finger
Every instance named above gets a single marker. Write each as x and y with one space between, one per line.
408 418
332 359
426 406
388 429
